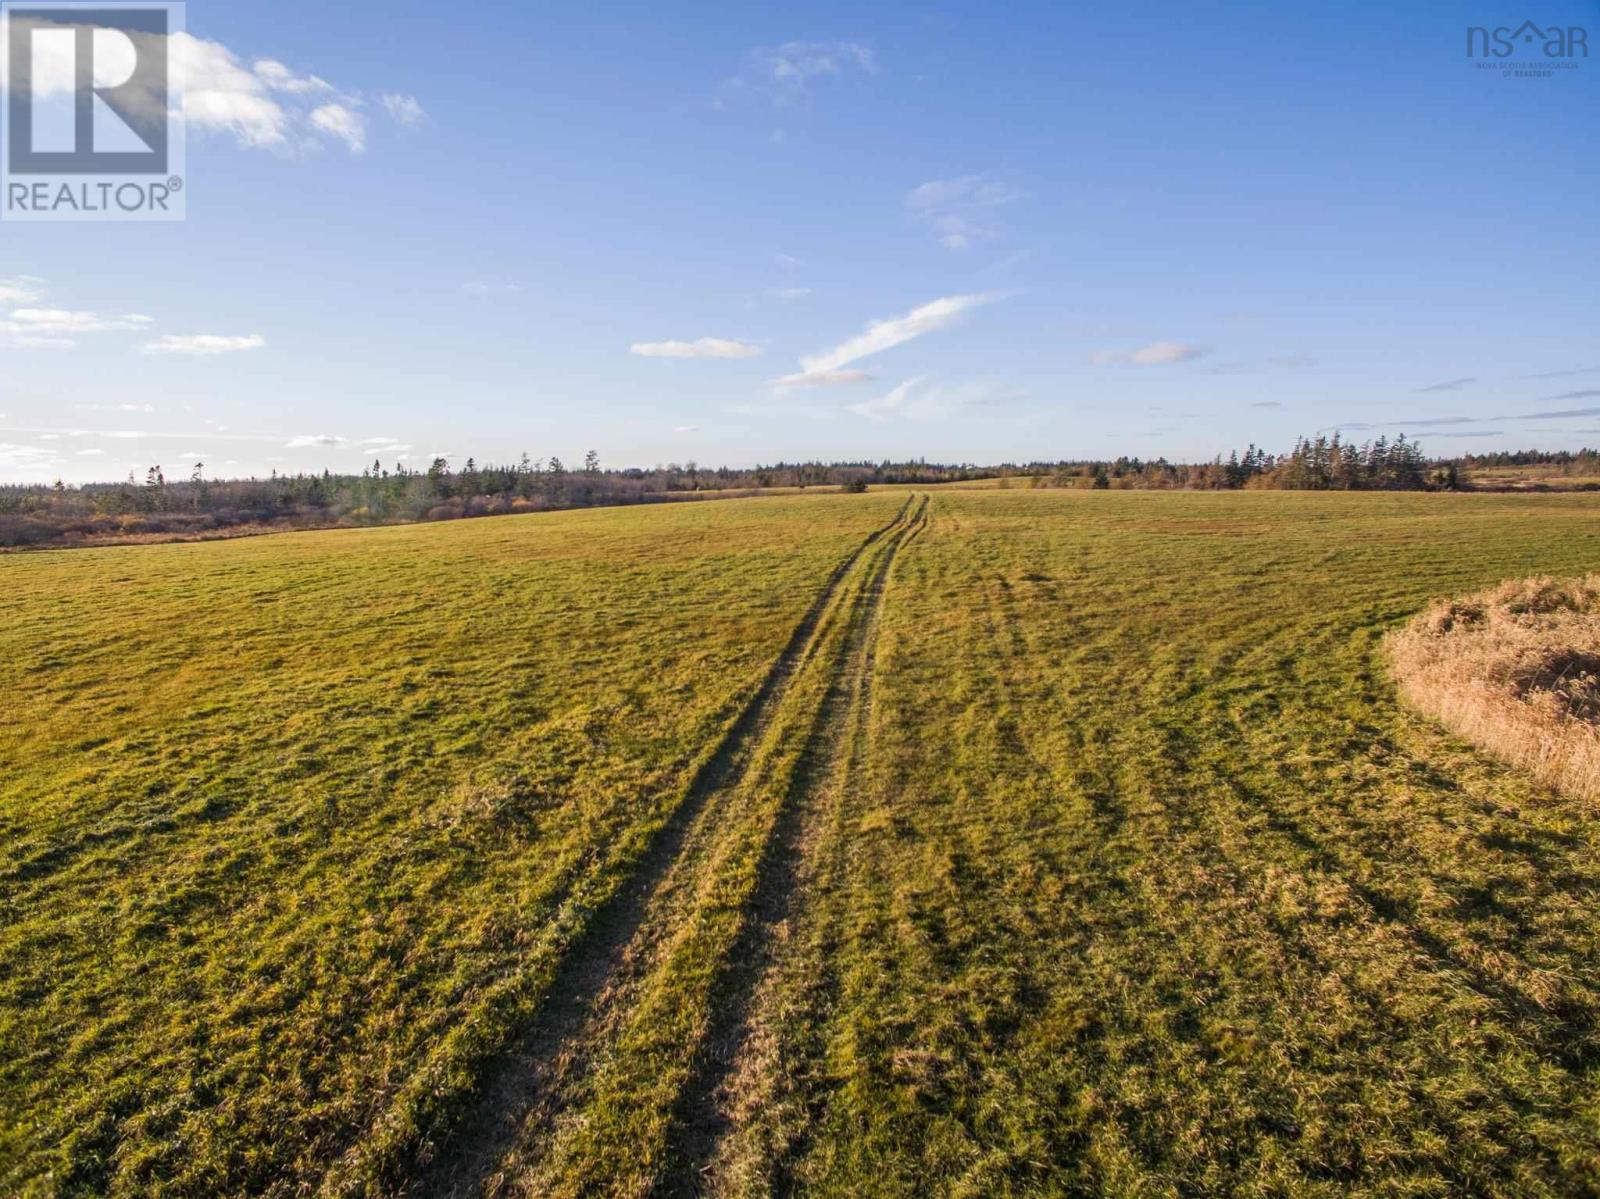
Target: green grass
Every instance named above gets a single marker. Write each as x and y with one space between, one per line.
1078 845
296 826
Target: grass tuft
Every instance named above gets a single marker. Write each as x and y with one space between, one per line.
1516 670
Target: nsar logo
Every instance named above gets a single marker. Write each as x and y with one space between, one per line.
1545 51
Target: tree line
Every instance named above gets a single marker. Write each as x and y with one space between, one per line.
1315 464
188 503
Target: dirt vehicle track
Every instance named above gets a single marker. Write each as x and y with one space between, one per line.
533 1091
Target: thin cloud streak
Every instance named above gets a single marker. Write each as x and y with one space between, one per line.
1158 353
886 334
705 347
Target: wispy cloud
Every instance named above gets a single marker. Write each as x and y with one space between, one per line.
150 434
785 74
66 321
27 460
1158 353
405 110
1449 385
343 122
261 102
686 428
267 105
1582 370
788 293
892 402
279 78
921 398
705 347
959 210
30 328
1561 414
1279 362
885 334
1266 404
1445 422
491 289
314 441
204 345
842 378
24 289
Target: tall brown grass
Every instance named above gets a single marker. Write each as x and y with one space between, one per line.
1516 670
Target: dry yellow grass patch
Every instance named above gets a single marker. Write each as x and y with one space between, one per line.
1516 670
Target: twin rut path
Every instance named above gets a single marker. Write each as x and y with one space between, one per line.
651 1009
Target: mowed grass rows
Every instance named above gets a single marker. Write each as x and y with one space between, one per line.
1086 850
297 827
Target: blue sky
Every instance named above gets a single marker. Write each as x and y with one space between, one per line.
737 233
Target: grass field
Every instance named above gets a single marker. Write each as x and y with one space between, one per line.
979 842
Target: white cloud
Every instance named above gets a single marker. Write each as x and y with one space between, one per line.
686 428
314 440
491 289
881 408
24 289
23 463
27 341
221 95
978 190
281 79
705 347
1158 353
52 321
204 345
885 334
823 379
403 109
266 104
344 123
13 454
784 74
957 209
143 434
919 399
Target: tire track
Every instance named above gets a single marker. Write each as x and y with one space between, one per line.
528 1081
833 763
